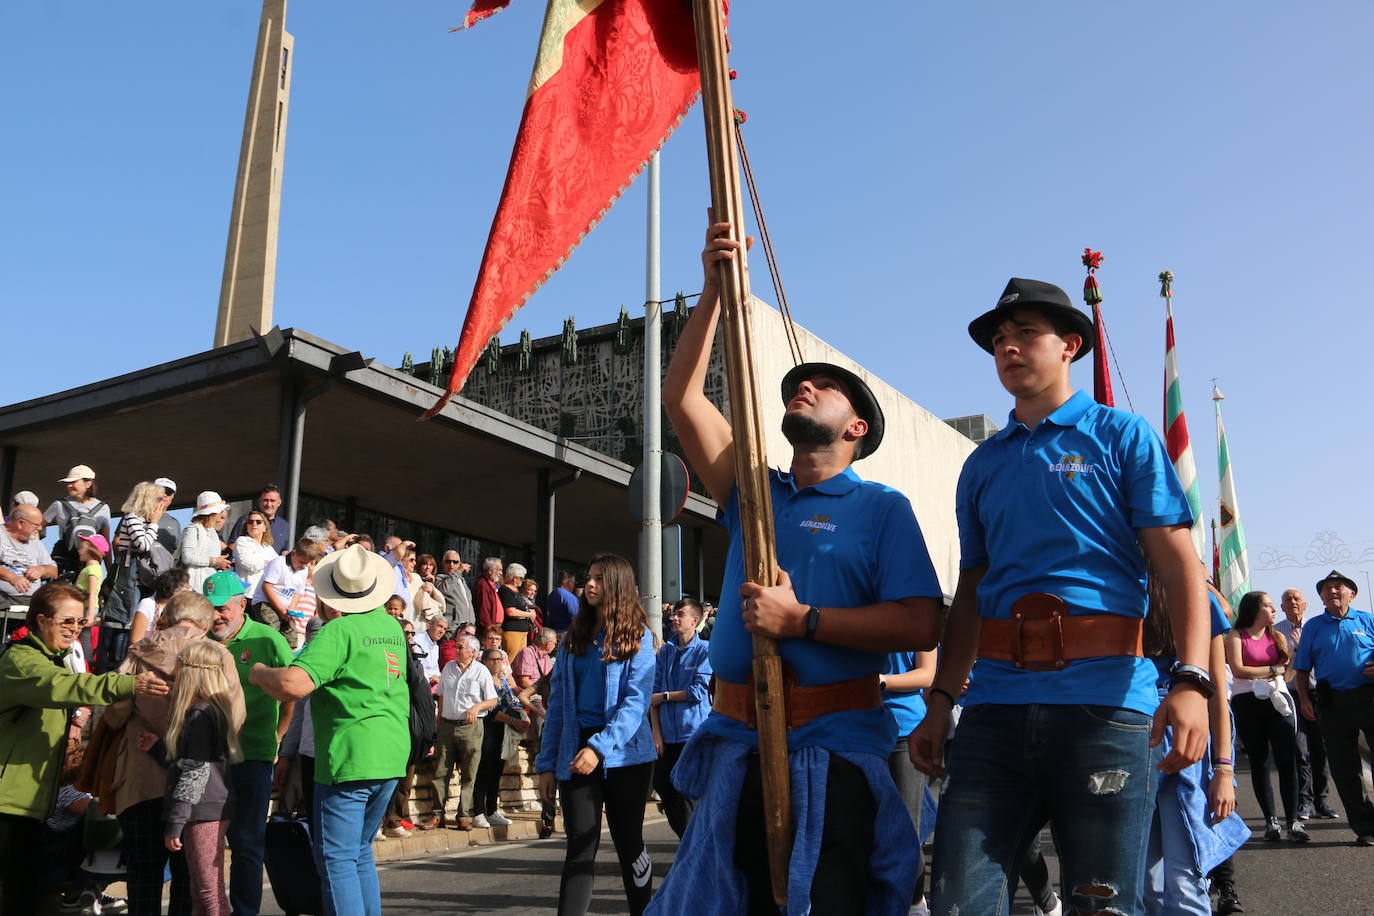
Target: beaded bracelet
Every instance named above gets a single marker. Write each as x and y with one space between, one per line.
1222 760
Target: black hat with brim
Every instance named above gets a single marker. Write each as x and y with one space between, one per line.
1037 296
860 395
1335 576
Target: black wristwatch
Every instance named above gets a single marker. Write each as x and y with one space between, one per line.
1192 674
813 619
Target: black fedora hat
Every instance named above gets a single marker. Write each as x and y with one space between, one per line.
860 395
1335 576
1037 296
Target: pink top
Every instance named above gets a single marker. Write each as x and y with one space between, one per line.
1258 652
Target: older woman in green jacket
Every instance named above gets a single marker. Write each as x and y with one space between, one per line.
37 695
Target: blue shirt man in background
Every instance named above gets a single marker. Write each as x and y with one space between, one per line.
680 703
1338 649
856 583
1053 512
562 605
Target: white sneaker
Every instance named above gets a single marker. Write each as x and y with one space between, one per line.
481 821
379 836
396 833
1057 910
499 820
920 908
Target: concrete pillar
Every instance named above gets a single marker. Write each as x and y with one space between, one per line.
250 257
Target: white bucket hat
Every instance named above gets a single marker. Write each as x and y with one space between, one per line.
80 472
354 580
209 503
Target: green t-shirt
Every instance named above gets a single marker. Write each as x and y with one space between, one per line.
90 577
361 705
255 643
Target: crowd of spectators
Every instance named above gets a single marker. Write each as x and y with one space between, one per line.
478 652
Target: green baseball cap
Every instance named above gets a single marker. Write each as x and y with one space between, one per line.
222 586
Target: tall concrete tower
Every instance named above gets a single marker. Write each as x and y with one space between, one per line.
250 258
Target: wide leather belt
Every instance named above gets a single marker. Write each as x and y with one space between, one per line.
803 703
1042 636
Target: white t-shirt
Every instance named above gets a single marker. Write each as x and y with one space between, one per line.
147 609
285 580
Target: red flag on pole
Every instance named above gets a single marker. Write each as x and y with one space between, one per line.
1092 295
612 79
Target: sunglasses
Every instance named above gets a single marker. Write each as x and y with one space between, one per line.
72 623
453 562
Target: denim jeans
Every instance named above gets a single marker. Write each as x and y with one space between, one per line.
1176 886
1088 770
347 816
252 781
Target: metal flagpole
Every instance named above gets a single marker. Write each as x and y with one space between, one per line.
651 531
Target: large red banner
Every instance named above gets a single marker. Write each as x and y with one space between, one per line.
611 80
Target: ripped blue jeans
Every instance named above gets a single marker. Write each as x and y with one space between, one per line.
1087 770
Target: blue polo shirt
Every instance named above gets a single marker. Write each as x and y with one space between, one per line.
1336 649
560 609
683 668
845 542
1056 509
589 673
908 707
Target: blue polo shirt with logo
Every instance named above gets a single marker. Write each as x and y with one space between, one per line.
1056 509
1336 649
907 706
845 542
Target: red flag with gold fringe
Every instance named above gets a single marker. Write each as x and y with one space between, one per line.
611 80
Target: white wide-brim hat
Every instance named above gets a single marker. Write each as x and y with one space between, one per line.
209 503
354 580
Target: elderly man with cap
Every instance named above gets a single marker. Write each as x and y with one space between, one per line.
1062 714
250 643
354 671
855 582
1337 648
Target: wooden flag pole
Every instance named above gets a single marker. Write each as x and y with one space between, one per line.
746 420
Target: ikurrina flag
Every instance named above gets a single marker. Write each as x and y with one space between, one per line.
1235 562
611 80
1176 437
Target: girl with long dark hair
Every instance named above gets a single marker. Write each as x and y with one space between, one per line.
1265 712
598 747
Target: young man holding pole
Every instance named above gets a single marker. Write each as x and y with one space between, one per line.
1054 512
856 581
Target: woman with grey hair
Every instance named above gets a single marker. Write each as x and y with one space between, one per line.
515 624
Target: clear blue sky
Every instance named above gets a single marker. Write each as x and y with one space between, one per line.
911 158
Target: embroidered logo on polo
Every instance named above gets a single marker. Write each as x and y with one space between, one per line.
244 656
393 666
819 523
1072 465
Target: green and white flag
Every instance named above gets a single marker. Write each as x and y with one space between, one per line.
1235 562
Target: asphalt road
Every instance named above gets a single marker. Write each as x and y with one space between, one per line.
1325 876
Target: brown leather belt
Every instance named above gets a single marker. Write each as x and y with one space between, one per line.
803 703
1042 636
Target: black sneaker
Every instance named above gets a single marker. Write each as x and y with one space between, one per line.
1297 832
1271 830
1326 812
1227 901
1366 840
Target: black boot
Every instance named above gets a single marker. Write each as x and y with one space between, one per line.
1227 901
